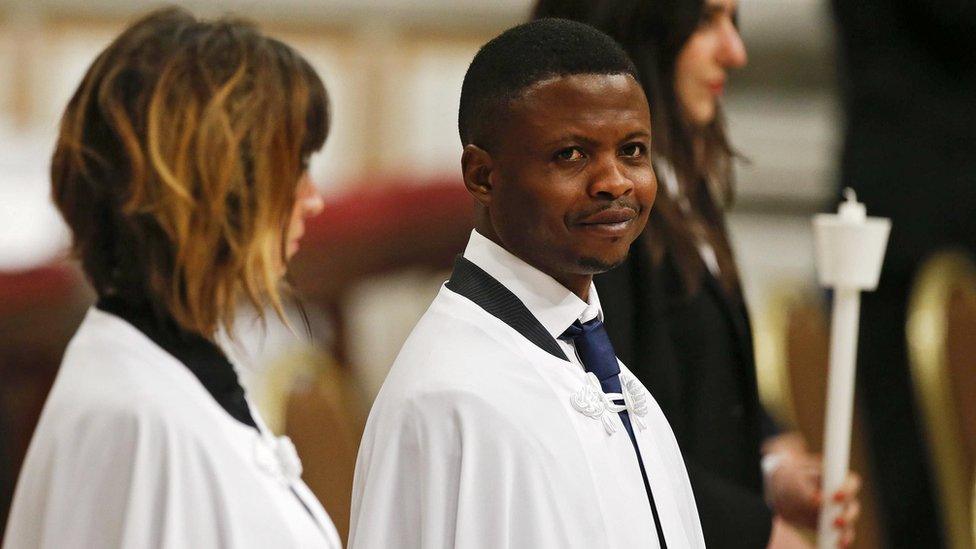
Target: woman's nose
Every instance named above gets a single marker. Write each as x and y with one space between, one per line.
312 201
732 49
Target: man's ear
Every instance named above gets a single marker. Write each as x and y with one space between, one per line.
476 166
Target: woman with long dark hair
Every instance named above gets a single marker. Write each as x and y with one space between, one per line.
181 170
675 310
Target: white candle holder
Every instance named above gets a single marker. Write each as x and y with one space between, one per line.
849 250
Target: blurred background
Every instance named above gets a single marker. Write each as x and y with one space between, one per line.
397 213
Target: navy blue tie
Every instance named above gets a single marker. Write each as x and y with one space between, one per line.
596 353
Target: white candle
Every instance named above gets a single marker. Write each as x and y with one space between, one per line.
850 248
851 210
840 407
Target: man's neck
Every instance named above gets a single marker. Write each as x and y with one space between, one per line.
579 284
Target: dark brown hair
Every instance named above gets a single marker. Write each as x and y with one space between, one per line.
177 165
653 32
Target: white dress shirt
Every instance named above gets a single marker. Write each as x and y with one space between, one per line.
474 441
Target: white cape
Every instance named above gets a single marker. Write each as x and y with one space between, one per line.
132 451
473 442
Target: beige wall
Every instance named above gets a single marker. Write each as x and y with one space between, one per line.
394 70
394 89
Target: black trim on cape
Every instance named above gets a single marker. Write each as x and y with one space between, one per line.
205 360
472 282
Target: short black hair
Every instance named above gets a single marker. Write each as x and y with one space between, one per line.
530 53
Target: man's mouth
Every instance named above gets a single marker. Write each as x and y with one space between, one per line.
613 221
610 216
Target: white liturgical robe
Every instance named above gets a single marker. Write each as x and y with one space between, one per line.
483 438
132 451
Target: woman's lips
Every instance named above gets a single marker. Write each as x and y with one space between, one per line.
294 242
717 87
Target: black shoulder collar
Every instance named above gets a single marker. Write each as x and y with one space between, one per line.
202 357
474 283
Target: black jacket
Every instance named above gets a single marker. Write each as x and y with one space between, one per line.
909 88
695 356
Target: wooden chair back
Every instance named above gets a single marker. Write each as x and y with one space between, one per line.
792 357
941 334
40 309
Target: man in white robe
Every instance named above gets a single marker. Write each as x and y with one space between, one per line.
492 429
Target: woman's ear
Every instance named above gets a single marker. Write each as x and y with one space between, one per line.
476 166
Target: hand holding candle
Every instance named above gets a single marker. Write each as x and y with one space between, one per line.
849 251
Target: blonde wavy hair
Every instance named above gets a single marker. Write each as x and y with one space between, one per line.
178 161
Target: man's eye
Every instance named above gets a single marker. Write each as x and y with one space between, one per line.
634 150
569 155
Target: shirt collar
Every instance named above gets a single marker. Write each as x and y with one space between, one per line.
549 301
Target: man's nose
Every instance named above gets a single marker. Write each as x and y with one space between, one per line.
610 180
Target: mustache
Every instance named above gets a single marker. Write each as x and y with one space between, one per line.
618 204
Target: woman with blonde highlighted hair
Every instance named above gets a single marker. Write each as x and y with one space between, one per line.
181 170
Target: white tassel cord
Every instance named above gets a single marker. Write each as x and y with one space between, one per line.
635 399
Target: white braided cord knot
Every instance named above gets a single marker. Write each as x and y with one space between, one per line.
592 402
635 399
278 458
